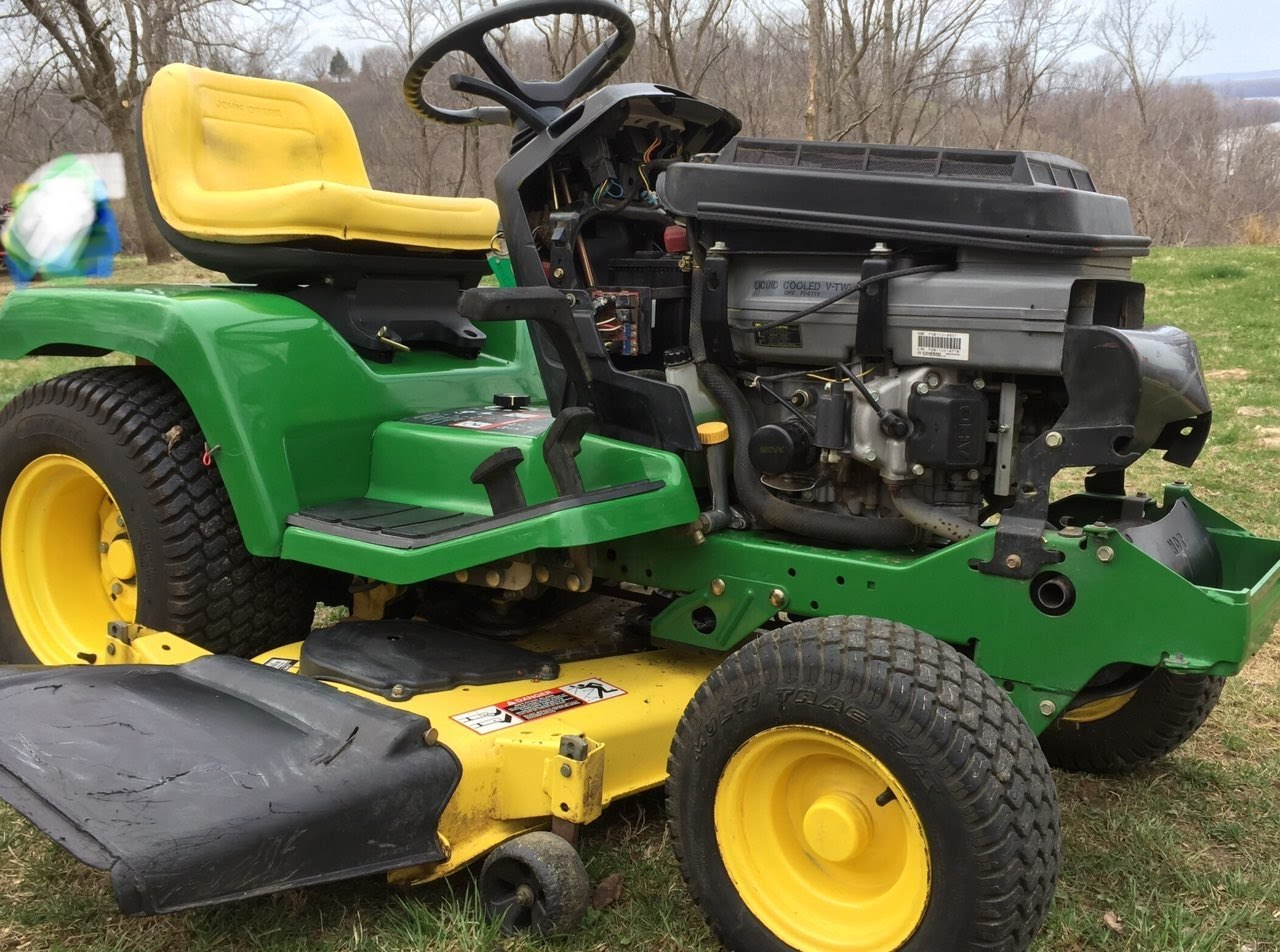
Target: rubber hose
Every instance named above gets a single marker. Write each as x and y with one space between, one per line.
864 531
931 518
697 346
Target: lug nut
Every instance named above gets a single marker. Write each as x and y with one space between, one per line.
116 588
120 521
103 547
717 587
777 598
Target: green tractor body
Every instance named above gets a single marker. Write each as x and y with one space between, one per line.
287 440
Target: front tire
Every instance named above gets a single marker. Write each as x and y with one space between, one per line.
853 785
110 515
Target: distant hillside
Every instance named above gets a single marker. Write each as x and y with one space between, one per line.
1243 85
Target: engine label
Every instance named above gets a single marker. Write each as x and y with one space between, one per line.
787 335
944 345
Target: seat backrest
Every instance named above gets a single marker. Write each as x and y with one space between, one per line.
205 131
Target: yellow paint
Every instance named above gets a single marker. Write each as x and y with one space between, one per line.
511 782
237 159
145 646
813 856
68 562
1097 710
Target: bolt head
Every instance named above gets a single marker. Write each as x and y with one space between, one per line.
1013 561
103 547
431 737
116 588
979 384
492 578
1053 439
541 573
573 583
972 474
111 649
871 456
566 770
570 298
1048 708
777 598
917 469
1106 553
1071 532
461 575
1003 428
922 387
397 690
717 587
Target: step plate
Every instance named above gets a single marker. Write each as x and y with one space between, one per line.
398 526
218 779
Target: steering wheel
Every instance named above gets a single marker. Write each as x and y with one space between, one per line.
536 103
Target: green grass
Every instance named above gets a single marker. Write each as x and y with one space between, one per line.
1186 855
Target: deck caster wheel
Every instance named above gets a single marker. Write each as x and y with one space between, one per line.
854 785
535 884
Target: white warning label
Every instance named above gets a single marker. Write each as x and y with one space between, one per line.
945 345
530 707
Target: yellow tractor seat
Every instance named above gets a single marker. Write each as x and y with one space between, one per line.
259 161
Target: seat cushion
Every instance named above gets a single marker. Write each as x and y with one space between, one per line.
241 160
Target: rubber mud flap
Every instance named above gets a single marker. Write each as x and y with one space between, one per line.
218 779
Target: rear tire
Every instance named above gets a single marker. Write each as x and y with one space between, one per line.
1161 715
846 764
109 515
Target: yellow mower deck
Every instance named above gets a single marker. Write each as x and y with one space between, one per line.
519 773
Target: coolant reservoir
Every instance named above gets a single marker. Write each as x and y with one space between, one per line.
682 372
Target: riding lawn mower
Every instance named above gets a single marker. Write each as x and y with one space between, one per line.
798 405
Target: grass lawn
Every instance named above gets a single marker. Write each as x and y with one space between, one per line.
1184 856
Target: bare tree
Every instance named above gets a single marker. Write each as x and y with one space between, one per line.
1149 43
314 63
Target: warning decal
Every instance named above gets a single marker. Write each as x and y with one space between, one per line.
280 664
486 720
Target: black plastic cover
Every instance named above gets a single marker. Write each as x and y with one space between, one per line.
417 656
218 779
949 427
1019 201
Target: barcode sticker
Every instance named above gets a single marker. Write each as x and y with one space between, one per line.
947 346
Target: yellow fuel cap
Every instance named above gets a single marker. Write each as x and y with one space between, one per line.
712 433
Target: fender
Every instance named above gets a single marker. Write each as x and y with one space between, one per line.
287 402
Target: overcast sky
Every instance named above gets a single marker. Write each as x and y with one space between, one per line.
1246 35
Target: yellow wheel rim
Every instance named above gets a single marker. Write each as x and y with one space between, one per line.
67 559
810 848
1097 710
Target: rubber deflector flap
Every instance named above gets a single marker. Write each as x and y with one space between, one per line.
218 779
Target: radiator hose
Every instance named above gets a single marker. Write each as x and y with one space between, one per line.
863 531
